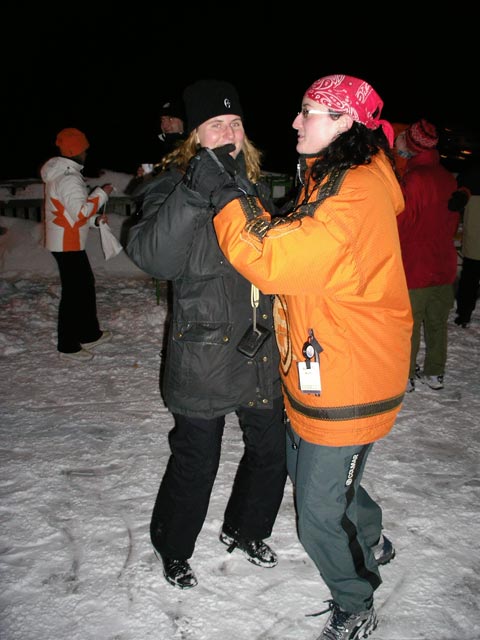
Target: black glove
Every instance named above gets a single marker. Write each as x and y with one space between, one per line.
208 175
223 155
222 196
458 200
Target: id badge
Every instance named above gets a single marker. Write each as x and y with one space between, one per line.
309 377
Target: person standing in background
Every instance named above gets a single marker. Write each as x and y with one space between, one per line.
343 324
172 133
69 212
216 363
469 282
172 125
427 229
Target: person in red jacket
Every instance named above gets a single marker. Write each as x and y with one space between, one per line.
427 229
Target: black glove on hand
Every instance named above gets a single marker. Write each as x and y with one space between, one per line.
223 155
210 173
227 192
458 200
205 172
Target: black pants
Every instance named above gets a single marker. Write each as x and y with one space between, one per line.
77 312
184 494
467 291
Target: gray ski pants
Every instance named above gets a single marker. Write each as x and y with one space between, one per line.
337 521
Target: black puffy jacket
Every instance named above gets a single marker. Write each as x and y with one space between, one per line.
204 374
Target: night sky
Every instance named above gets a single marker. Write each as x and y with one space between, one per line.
107 71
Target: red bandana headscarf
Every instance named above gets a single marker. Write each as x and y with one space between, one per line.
356 97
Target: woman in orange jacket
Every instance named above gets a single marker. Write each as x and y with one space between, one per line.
343 326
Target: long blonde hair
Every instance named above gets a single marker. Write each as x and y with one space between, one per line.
184 152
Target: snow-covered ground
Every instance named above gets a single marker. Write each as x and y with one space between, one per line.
84 446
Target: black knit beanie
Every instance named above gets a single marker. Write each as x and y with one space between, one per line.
173 108
206 99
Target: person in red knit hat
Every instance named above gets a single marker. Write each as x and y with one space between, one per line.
427 229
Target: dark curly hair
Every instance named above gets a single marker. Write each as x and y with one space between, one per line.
351 149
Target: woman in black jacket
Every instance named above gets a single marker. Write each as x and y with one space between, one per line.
221 355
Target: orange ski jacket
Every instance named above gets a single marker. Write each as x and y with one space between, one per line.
335 266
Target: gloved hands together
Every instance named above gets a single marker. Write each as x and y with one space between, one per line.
210 173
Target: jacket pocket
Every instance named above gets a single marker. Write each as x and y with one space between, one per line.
202 332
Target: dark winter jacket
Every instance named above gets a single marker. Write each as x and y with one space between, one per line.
204 375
